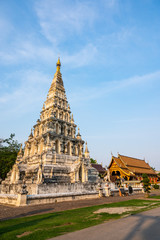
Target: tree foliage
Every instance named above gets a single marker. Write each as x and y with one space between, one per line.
146 183
8 153
93 160
156 186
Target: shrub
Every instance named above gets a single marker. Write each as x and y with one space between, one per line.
146 183
156 186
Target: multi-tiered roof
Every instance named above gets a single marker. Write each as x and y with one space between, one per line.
130 168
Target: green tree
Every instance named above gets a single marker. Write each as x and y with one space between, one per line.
93 160
12 145
8 154
146 183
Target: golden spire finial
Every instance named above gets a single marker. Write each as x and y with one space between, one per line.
78 134
86 150
72 119
58 65
20 151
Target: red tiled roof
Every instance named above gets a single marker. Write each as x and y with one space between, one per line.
99 167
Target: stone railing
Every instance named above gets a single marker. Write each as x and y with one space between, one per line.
110 189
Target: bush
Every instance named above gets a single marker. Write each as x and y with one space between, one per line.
156 186
146 183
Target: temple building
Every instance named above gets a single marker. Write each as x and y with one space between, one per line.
54 160
130 168
101 170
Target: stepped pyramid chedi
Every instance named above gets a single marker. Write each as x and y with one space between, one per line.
53 165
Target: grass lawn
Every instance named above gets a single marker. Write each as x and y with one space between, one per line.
53 224
156 197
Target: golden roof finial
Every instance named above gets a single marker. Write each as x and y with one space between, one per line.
20 151
72 119
58 65
78 134
86 149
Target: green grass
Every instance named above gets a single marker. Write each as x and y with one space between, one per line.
53 224
156 197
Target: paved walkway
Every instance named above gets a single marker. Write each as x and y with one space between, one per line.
8 212
142 226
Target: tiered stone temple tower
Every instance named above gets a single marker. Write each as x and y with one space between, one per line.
53 161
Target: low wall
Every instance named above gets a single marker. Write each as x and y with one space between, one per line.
61 188
115 192
10 199
133 184
54 198
137 190
14 188
23 200
46 193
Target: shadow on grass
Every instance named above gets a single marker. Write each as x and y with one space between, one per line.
25 223
34 212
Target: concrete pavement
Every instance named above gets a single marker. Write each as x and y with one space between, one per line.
142 226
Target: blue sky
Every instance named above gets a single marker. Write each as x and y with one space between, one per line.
109 51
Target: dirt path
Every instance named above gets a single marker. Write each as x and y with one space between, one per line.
9 212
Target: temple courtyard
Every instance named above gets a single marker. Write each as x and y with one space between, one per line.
133 217
9 212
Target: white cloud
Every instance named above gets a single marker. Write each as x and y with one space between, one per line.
32 89
106 88
60 19
26 51
33 84
85 56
